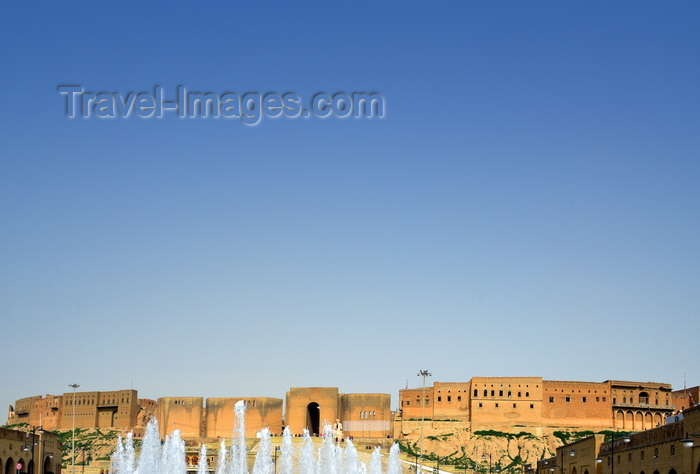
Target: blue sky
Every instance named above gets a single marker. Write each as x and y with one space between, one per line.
529 205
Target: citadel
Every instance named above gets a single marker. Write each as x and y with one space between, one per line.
468 414
482 403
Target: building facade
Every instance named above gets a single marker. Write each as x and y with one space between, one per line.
500 403
35 451
672 448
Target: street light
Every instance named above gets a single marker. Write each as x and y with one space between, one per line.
483 456
687 442
72 448
41 451
625 439
424 374
572 452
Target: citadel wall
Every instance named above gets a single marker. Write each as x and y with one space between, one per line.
260 412
366 415
582 405
502 402
309 407
180 413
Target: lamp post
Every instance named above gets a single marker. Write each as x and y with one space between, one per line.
424 374
483 456
625 439
26 449
41 451
571 452
72 448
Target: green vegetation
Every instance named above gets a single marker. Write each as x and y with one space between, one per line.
442 437
501 434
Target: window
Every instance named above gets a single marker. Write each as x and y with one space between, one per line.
481 405
515 405
508 393
551 399
568 398
439 399
459 398
641 455
476 393
673 450
449 398
486 393
493 393
597 399
408 403
496 405
500 393
519 394
605 398
527 394
584 399
614 401
532 405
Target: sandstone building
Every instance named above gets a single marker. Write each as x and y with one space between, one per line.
35 451
482 403
666 449
501 403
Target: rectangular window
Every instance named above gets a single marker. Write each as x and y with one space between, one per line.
568 399
673 450
551 399
439 399
597 399
515 405
481 405
532 406
584 399
496 405
449 398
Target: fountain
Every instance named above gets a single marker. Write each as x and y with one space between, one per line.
169 458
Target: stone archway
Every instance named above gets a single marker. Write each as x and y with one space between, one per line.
313 418
10 466
619 419
47 465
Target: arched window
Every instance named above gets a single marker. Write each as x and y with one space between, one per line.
476 393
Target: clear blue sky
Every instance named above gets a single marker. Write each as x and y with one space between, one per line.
529 206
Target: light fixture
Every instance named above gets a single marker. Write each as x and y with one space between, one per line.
598 460
687 442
